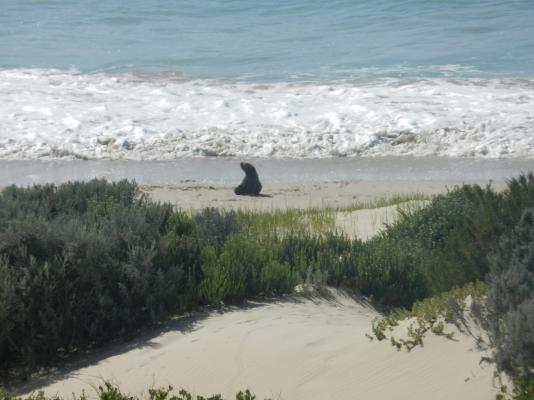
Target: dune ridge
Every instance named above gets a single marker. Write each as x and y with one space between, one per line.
309 345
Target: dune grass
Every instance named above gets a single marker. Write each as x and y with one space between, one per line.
315 220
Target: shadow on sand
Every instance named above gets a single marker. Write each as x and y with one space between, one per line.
185 324
141 339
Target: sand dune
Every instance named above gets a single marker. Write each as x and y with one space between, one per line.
366 223
305 346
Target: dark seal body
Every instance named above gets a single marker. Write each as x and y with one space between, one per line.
251 185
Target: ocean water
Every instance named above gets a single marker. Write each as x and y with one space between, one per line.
296 78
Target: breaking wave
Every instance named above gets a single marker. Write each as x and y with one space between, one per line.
57 114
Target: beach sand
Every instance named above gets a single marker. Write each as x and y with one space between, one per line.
360 223
306 346
304 195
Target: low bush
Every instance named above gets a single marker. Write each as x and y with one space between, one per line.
509 309
522 389
48 201
90 271
216 226
429 315
451 237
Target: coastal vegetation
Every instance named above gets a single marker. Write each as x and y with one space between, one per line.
84 263
507 314
108 391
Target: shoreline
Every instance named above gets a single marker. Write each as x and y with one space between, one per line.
193 184
226 171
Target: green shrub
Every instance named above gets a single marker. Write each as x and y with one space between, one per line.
509 319
277 278
217 226
452 236
330 255
49 201
522 390
391 274
234 274
86 273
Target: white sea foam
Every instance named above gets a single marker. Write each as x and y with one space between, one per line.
54 114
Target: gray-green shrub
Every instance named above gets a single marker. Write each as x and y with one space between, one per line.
90 271
509 317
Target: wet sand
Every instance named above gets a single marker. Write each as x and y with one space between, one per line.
226 172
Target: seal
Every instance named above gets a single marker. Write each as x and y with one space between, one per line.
251 185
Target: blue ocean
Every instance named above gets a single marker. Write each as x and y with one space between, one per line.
170 79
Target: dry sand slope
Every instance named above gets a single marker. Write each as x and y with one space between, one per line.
308 346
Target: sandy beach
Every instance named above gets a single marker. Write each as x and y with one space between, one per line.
310 345
220 171
340 194
192 184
